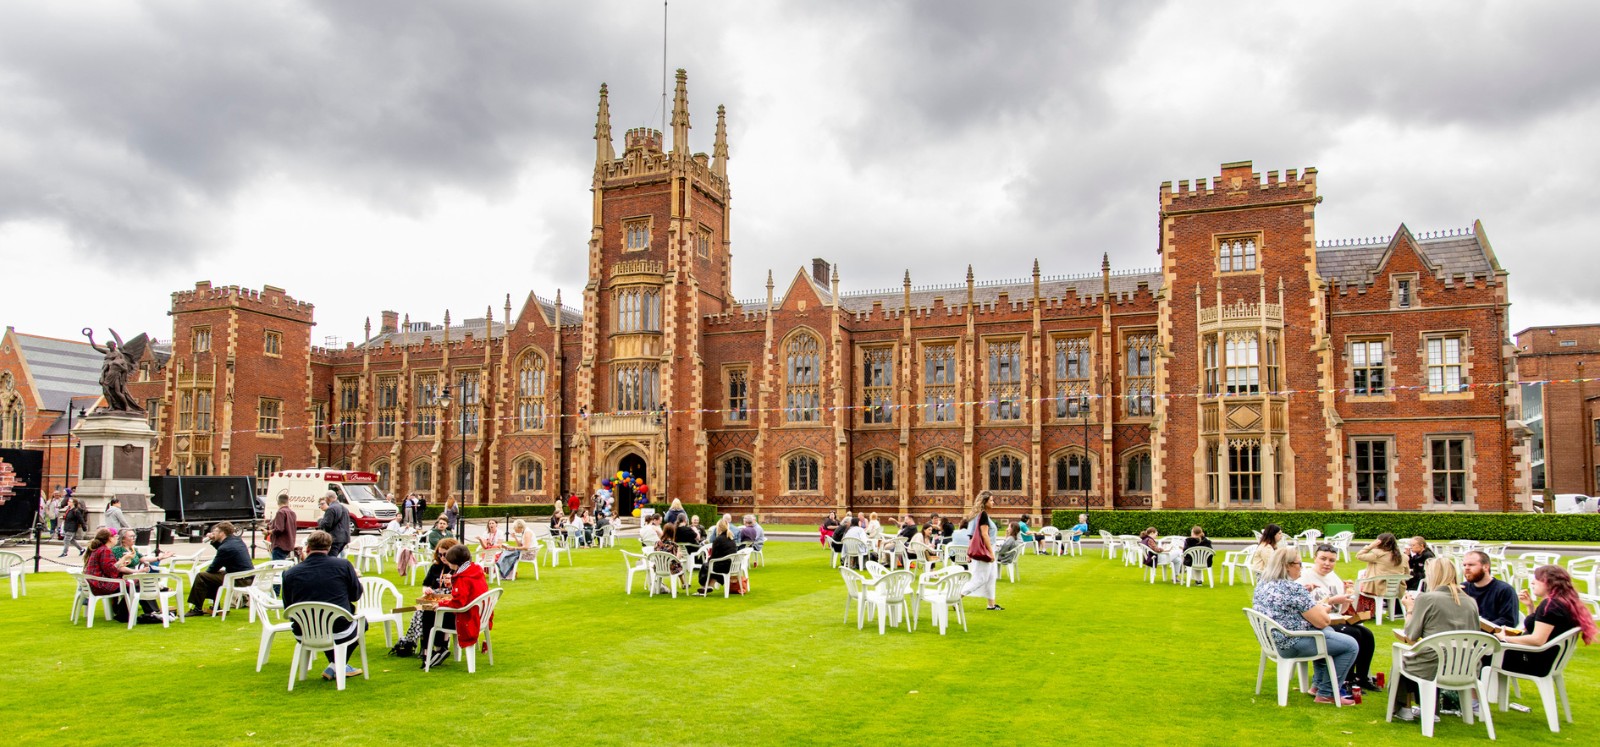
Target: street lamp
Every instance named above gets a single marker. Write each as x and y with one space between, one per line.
664 419
444 407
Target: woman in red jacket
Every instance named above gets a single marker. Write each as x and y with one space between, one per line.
466 585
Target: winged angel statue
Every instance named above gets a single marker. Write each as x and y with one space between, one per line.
121 358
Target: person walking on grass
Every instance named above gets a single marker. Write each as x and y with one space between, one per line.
73 520
980 549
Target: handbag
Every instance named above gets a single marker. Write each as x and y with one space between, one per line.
978 548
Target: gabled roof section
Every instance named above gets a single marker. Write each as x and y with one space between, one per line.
421 330
60 370
1451 253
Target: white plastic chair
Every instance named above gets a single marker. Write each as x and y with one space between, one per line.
1585 569
738 567
1307 541
1132 549
956 555
1047 541
889 593
1386 595
1239 560
87 597
634 563
1110 543
660 572
942 592
12 565
269 630
373 608
1071 542
530 559
1551 686
485 604
555 546
1460 667
149 587
1341 543
316 622
855 552
1198 565
365 552
1288 666
1154 562
855 591
1010 561
231 593
893 552
260 592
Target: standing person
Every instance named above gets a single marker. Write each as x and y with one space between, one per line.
52 512
980 549
231 557
73 520
422 508
331 580
1442 610
335 521
675 513
281 532
1497 601
1417 556
114 518
1280 596
452 516
574 503
409 510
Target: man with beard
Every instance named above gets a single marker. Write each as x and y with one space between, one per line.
1497 601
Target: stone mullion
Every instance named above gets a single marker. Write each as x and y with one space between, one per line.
224 445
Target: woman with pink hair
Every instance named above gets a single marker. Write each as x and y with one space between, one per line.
1559 611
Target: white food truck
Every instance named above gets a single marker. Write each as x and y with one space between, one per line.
358 490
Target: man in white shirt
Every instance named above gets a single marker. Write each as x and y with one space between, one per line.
1325 586
650 532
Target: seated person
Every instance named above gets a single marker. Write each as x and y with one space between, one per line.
1197 538
837 542
1326 587
558 521
1011 545
139 563
699 531
1080 529
436 579
1024 531
751 533
1558 610
527 549
650 532
1430 612
1497 601
440 531
873 526
232 557
1148 539
962 536
721 558
1280 596
489 545
323 578
1417 556
1383 558
829 523
856 532
686 537
466 585
98 561
1271 536
908 527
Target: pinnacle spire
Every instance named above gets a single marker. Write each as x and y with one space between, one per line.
603 152
680 115
719 152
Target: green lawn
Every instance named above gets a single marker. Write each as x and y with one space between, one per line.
1084 649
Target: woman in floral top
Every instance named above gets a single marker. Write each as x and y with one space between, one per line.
1280 596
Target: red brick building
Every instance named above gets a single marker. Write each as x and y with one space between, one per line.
1254 368
1557 366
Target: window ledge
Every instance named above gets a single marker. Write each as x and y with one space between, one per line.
269 435
1431 506
1445 396
1357 398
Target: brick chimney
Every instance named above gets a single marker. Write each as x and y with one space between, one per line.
391 323
819 270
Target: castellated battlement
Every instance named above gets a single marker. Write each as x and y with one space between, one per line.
1237 180
269 300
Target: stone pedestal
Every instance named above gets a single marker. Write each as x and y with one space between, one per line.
114 451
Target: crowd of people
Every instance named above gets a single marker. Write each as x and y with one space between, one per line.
1437 601
681 535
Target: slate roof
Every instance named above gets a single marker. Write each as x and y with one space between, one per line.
570 317
988 291
1455 253
61 369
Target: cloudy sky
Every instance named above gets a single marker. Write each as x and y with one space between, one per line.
426 156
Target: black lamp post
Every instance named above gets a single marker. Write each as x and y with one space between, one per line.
445 402
664 419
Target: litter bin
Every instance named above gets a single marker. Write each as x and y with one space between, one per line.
164 534
142 536
196 533
1328 530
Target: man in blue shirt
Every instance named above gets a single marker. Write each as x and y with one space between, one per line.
1497 601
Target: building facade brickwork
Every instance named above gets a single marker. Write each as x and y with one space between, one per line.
1255 368
1559 365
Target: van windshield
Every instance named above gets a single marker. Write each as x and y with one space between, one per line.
361 493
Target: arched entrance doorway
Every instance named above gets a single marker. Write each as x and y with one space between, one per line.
634 465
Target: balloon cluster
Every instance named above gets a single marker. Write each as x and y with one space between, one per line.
626 478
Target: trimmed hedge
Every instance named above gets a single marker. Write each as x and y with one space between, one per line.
707 512
494 511
1517 527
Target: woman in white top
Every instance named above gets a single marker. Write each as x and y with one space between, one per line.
873 527
1325 586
